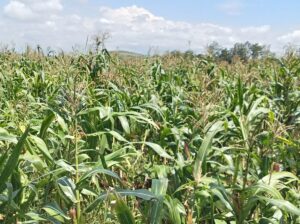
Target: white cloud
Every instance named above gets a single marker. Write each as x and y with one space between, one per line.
293 37
31 9
131 28
45 6
256 29
141 26
259 34
18 10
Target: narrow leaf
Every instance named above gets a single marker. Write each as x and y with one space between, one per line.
5 136
123 212
204 148
45 124
97 170
125 125
12 161
40 144
159 150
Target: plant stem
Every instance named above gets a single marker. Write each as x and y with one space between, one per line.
78 207
245 180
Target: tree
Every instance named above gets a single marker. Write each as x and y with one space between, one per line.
242 50
225 55
214 49
257 50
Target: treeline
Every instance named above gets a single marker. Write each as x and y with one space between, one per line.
239 51
243 51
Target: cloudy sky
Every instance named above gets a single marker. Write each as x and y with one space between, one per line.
149 24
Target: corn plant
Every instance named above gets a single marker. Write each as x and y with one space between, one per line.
99 138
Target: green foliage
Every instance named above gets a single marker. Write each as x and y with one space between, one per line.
171 139
243 51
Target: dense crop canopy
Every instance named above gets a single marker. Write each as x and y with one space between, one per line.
100 139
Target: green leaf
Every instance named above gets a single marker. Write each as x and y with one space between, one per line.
5 136
265 188
175 209
204 148
218 221
159 188
61 123
45 124
35 160
274 178
125 125
95 203
67 167
220 191
159 150
140 193
223 197
256 111
117 136
67 187
123 212
40 144
3 158
12 161
35 217
97 170
283 205
54 211
240 93
113 133
103 144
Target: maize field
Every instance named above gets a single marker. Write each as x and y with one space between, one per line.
99 138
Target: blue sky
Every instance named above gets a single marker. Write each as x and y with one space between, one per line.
150 24
225 12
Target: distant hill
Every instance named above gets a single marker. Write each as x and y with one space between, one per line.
127 54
